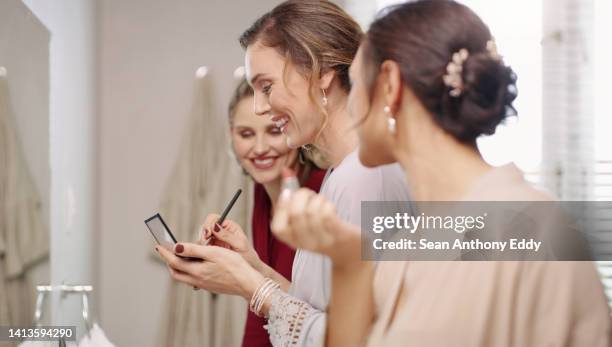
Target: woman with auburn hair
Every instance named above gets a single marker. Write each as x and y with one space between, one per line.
297 61
427 82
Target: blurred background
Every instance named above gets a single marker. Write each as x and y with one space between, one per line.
101 102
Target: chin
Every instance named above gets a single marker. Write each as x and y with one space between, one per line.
290 142
268 176
293 142
297 138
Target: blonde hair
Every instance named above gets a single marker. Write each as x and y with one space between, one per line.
243 90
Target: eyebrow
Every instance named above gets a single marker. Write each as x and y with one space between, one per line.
255 78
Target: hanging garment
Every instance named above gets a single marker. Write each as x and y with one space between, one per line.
95 338
204 179
24 238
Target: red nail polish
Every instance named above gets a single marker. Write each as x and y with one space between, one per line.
179 248
217 228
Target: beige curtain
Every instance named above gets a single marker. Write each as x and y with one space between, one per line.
24 239
204 179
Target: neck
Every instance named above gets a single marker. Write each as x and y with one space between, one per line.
439 167
339 137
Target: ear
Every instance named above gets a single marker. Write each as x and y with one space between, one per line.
327 78
392 86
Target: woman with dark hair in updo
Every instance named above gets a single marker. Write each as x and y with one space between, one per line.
426 83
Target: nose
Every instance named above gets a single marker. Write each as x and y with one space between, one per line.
261 145
261 104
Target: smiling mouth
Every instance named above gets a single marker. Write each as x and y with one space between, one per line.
264 163
280 122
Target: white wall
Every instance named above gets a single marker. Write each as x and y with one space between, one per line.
148 53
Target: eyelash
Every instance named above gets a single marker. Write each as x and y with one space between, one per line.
272 131
266 89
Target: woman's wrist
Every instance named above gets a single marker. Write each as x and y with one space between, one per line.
252 279
261 297
257 263
347 255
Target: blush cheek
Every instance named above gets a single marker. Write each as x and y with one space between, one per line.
241 151
242 144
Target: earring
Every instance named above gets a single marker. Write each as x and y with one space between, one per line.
307 147
390 120
324 97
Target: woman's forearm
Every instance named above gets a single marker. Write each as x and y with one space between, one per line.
351 308
272 274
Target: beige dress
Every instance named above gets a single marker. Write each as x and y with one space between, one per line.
491 303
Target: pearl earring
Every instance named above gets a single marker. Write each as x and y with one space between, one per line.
324 97
390 120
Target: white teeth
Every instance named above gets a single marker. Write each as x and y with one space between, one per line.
264 161
281 122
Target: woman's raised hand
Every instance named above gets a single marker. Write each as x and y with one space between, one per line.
228 235
308 221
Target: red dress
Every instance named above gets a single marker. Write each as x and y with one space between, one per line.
272 252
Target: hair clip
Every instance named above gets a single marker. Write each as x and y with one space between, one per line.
453 77
492 50
454 69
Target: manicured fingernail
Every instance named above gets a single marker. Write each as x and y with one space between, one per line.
157 250
179 248
217 228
